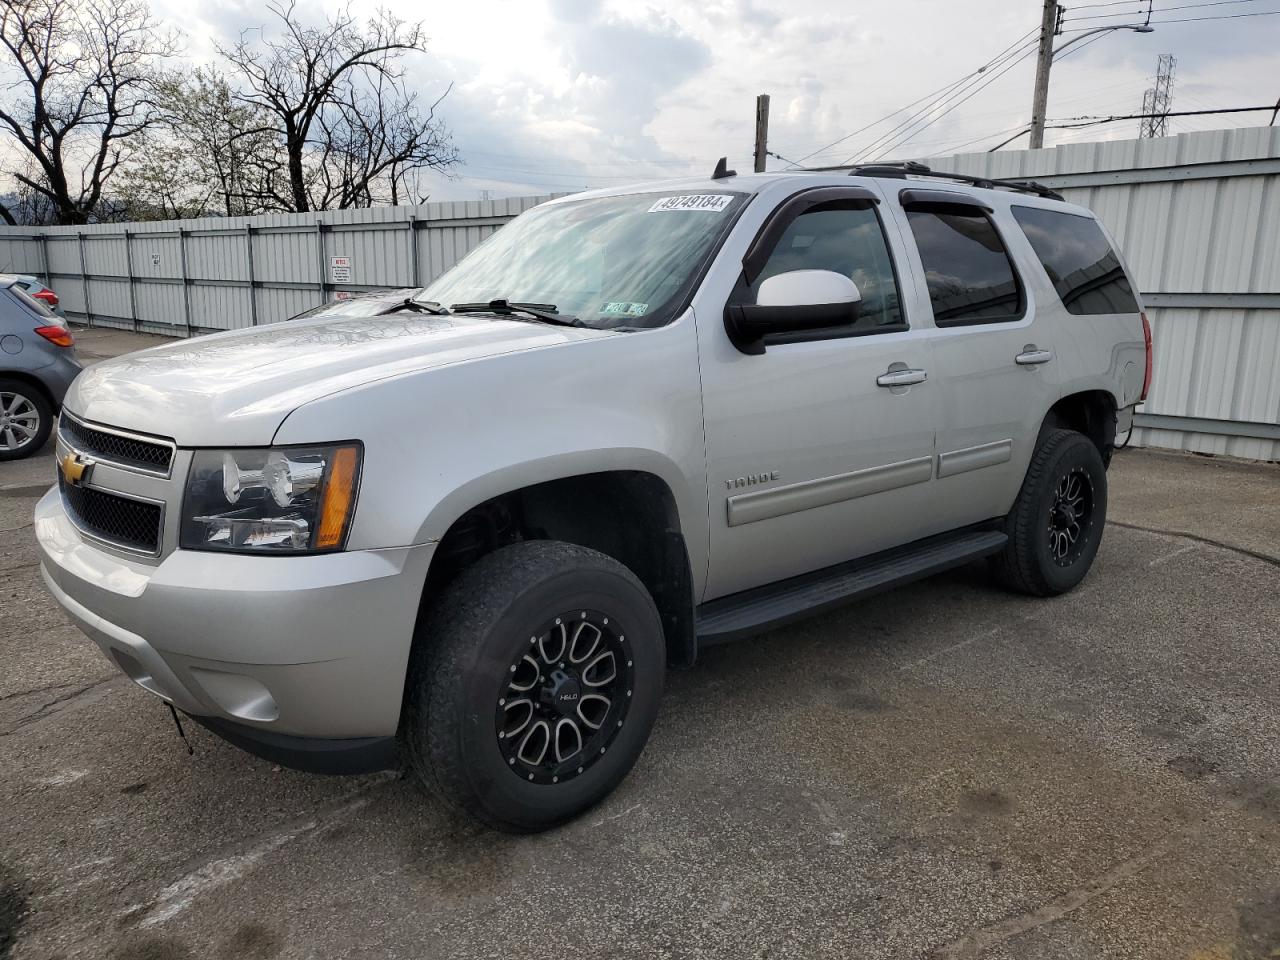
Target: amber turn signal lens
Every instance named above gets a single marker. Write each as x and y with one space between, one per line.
339 495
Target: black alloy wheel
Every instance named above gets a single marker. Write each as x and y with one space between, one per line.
1071 516
565 699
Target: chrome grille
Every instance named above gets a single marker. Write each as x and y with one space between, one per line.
124 449
123 521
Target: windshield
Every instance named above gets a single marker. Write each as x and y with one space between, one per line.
611 261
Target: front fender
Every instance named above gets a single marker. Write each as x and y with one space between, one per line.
441 441
570 463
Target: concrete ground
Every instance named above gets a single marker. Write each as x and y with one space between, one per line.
944 771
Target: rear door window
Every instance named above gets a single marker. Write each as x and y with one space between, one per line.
968 271
1079 261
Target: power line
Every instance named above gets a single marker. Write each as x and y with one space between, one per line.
974 91
1221 16
1002 143
835 143
1190 6
1206 3
928 96
1140 9
1089 95
978 78
1137 12
1022 128
1093 121
1114 3
977 87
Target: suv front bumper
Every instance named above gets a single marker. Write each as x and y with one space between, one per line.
276 653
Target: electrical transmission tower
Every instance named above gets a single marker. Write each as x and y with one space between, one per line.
1157 101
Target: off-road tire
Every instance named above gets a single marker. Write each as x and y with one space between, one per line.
1028 563
466 643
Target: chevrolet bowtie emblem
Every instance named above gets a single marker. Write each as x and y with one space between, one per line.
76 469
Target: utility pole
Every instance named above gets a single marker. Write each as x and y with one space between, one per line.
762 131
1040 98
1157 100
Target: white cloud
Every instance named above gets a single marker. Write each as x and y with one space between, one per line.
563 94
830 69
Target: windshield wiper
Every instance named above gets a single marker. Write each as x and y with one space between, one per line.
422 306
546 312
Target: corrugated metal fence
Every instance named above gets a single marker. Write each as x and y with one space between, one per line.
180 276
1198 219
1197 216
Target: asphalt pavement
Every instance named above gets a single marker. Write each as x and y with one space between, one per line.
943 771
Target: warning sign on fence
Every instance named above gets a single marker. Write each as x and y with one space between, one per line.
339 269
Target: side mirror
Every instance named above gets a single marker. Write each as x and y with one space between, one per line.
790 303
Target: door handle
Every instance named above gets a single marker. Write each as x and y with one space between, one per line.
1030 357
903 377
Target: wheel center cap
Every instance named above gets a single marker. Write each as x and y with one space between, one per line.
562 693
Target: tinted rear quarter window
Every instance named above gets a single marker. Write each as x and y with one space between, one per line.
1079 261
968 271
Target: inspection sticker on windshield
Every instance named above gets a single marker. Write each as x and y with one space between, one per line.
625 308
710 202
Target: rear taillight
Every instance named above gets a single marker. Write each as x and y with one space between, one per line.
48 296
60 336
1146 337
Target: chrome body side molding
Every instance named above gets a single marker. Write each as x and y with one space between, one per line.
794 497
974 458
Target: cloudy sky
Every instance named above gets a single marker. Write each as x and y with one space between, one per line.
557 95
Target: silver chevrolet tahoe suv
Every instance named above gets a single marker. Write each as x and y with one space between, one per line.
467 528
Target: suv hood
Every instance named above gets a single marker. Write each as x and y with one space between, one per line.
235 388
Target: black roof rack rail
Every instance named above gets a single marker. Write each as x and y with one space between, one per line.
911 168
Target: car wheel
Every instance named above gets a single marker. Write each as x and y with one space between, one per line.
25 420
1056 523
533 685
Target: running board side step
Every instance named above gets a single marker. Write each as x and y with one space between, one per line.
753 611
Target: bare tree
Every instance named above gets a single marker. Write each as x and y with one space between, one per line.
81 91
372 139
338 102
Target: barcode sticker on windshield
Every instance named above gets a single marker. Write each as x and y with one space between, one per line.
710 202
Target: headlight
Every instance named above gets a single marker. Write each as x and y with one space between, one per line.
283 500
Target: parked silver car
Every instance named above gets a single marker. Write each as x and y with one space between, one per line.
468 530
37 364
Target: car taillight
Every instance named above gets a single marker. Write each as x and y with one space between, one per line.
48 296
60 336
1146 336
